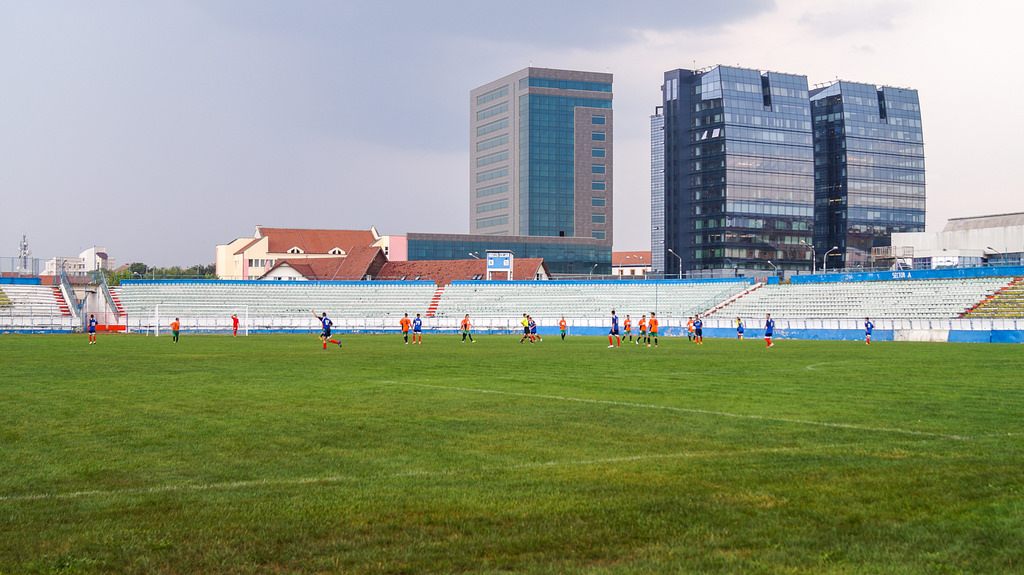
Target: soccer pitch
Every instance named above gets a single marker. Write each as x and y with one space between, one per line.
267 454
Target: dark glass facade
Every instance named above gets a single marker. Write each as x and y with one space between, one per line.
738 170
547 153
869 169
561 255
658 192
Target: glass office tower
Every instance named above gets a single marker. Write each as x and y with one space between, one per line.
541 155
657 192
738 171
869 169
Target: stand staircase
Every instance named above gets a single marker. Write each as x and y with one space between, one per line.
434 301
1006 302
723 304
65 309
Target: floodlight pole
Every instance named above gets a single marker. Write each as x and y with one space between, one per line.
814 257
824 259
680 262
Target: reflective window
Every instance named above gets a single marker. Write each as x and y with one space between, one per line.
536 82
492 127
492 95
597 153
597 136
597 202
597 119
597 169
492 190
492 175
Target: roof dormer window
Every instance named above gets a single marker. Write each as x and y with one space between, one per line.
295 250
337 252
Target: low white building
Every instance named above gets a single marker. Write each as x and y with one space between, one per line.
90 260
996 239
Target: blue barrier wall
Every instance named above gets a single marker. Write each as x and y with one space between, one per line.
274 282
950 273
606 282
21 281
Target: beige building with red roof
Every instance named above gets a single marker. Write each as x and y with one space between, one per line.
253 257
631 264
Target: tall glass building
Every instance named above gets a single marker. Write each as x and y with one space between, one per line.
541 155
657 191
738 171
869 169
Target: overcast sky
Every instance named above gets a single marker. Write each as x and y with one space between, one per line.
161 128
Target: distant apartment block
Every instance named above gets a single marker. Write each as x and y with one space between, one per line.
541 155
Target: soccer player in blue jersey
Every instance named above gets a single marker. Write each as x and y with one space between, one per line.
739 329
92 328
534 336
769 330
325 332
698 330
868 328
614 332
417 330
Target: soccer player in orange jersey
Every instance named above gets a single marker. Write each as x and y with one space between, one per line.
689 329
175 329
628 326
465 326
652 328
563 327
406 323
641 333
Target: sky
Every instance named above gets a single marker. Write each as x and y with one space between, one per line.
160 129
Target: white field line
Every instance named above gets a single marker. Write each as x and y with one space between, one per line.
852 426
334 479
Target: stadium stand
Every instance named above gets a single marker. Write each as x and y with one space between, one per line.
581 299
34 307
276 304
913 299
1006 303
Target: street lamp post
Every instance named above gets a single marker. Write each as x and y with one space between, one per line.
473 255
774 267
680 262
592 270
824 258
814 257
993 250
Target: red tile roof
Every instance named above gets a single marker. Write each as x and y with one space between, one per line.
444 272
311 269
360 262
314 241
247 245
631 259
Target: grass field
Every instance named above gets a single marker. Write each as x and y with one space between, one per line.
268 455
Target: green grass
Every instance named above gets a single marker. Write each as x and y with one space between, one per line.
267 455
